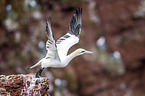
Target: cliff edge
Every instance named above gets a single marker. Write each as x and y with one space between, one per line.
23 85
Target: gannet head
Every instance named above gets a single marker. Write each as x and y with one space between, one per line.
81 51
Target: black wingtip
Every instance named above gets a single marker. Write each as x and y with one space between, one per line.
77 30
48 23
47 28
75 23
78 11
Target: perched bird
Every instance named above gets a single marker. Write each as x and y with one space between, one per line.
57 51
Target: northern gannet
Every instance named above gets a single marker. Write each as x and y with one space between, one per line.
57 51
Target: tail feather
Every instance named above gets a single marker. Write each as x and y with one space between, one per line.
37 64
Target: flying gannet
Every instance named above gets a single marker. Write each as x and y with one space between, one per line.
57 51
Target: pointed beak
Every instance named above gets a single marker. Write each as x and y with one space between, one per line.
89 52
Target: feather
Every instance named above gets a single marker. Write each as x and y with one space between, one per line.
50 44
72 37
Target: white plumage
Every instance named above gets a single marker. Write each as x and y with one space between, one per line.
57 51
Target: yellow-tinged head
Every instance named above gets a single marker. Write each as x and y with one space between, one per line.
81 51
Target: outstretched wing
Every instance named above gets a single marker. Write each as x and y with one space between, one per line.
50 44
72 37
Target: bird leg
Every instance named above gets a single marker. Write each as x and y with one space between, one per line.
38 74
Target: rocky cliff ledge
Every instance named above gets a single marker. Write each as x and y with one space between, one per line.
11 85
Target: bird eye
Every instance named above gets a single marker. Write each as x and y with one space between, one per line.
82 51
